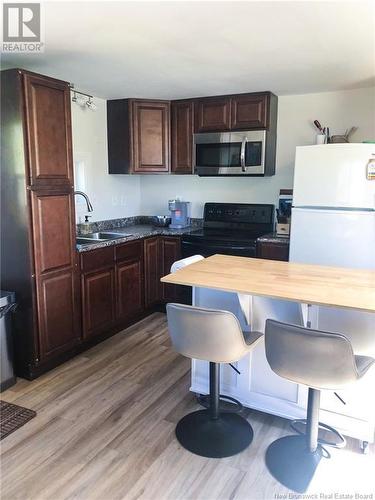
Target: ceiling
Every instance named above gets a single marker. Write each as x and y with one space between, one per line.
186 49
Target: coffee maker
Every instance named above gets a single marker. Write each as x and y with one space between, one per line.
180 214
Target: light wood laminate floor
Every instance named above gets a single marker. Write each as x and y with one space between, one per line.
105 430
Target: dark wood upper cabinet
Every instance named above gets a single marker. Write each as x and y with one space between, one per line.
235 112
182 115
212 114
249 111
151 136
138 136
143 137
48 127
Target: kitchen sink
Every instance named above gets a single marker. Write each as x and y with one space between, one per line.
91 238
85 241
104 236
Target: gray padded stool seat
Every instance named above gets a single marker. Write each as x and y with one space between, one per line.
215 336
322 361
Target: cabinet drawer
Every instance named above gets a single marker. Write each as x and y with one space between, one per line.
97 259
129 251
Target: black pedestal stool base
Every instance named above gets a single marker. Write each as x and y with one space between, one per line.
291 463
227 404
225 436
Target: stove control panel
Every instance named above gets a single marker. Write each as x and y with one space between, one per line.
234 213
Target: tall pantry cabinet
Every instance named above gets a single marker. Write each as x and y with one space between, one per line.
38 257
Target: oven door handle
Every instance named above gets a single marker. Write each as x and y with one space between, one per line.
217 246
242 155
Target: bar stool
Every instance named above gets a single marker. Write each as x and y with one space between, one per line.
204 400
322 361
215 336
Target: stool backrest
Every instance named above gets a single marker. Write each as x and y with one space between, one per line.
320 360
180 264
208 334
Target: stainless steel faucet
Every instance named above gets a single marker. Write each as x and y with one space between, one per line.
88 202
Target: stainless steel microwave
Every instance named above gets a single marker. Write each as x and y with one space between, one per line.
233 154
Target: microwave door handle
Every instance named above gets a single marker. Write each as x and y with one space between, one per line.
242 157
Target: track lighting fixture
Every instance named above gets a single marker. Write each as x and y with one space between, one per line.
82 99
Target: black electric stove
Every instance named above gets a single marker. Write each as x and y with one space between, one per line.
229 228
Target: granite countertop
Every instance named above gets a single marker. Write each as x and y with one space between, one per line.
273 238
132 233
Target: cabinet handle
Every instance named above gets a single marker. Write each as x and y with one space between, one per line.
242 156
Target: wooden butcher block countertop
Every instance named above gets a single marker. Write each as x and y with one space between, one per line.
309 284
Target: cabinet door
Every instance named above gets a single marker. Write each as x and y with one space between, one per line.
152 271
98 296
129 290
182 137
248 112
170 252
55 270
151 136
273 251
53 230
212 114
58 312
48 127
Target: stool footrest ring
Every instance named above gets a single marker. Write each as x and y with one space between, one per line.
341 440
204 400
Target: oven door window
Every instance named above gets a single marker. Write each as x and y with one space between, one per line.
221 154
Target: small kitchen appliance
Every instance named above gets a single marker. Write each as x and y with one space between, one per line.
283 213
180 213
249 153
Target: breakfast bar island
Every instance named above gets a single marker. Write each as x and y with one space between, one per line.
256 290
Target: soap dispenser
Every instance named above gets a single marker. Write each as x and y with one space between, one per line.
86 225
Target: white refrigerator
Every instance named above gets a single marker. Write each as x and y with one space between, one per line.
333 223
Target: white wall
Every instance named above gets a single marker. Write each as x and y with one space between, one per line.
112 196
115 196
338 110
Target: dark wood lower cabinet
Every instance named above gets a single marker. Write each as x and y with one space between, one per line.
170 252
112 287
98 296
119 285
130 295
58 307
273 250
153 271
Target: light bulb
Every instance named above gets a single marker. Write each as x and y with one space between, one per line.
91 105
